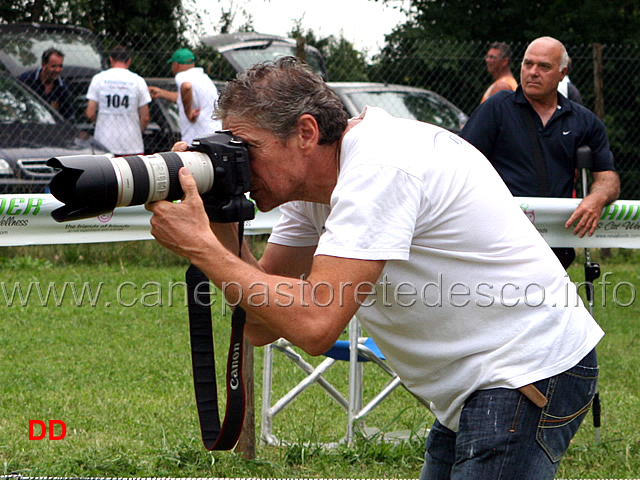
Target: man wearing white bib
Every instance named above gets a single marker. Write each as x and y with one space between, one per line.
119 104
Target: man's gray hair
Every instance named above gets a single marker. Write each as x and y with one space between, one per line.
564 59
274 95
505 49
50 51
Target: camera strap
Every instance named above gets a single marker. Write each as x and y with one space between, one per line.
214 436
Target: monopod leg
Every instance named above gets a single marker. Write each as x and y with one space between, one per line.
584 161
591 273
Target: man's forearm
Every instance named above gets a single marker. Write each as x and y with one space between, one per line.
143 114
604 190
255 330
157 92
606 186
274 304
306 312
91 111
227 234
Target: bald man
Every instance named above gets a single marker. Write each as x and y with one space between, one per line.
508 125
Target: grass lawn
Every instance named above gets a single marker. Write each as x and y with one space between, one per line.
114 365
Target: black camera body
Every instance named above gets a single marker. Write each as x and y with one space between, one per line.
92 185
226 201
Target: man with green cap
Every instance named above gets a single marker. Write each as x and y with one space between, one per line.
196 96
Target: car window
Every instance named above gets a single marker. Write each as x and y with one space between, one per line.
246 57
421 106
18 105
25 48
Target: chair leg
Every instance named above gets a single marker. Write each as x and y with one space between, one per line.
266 437
314 375
375 401
358 351
355 380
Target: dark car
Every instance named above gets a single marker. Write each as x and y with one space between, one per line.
22 45
244 49
401 101
31 132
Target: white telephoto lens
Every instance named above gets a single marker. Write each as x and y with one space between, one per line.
201 167
159 181
124 176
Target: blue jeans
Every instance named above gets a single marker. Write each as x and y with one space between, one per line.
503 435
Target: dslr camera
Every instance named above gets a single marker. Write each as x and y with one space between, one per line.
92 185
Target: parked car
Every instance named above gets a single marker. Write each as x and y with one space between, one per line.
401 101
22 44
398 100
244 49
31 132
21 47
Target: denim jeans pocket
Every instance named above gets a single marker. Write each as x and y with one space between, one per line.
569 396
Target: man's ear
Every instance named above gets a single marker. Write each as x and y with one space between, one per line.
307 131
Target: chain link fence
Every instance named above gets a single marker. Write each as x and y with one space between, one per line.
606 75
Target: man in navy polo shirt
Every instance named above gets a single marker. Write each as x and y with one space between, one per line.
46 82
498 128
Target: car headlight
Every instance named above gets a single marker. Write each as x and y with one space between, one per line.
5 168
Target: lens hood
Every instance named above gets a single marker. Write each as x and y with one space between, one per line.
86 184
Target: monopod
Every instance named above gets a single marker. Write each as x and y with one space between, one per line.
584 162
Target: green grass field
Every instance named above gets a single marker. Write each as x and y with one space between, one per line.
114 365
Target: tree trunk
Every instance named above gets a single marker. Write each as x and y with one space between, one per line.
37 10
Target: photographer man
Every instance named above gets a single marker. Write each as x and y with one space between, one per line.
409 226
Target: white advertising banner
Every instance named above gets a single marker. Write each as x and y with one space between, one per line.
26 220
619 225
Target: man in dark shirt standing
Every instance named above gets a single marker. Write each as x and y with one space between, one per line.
505 127
46 82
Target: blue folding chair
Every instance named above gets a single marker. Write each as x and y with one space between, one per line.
356 350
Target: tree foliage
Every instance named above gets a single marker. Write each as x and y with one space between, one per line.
344 62
583 21
428 43
427 51
105 17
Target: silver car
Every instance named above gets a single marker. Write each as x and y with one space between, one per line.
401 101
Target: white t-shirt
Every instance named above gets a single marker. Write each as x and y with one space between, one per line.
563 86
471 297
119 94
205 95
